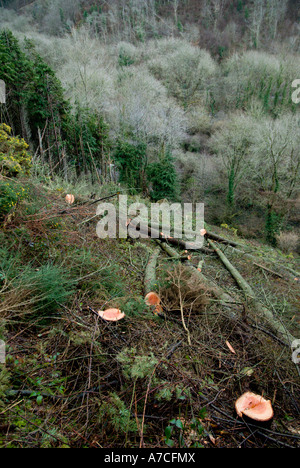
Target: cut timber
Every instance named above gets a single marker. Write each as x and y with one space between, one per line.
153 301
70 199
285 272
150 273
254 407
174 254
273 273
205 233
155 234
200 266
274 323
111 315
222 240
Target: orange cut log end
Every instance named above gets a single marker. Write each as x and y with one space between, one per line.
153 300
254 407
70 199
111 315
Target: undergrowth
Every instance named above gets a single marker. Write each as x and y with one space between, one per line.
74 380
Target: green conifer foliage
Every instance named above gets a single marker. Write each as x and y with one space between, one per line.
162 175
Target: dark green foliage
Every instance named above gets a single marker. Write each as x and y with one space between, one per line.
34 96
42 289
46 101
162 176
111 280
4 382
273 226
37 110
88 141
10 194
231 188
16 72
114 414
131 161
125 60
50 286
134 307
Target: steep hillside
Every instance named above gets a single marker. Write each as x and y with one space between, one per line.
169 379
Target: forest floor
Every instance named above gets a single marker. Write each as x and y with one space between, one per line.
76 380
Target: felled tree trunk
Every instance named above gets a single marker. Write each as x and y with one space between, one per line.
148 231
285 272
273 322
229 302
222 240
150 273
209 234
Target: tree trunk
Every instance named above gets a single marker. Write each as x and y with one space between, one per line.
150 273
273 322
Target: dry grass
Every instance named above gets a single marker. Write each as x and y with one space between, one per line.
288 242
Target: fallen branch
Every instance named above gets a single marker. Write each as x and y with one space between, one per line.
288 275
103 199
273 273
182 316
274 323
221 240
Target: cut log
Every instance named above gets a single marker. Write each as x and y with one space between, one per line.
221 240
152 299
285 272
273 273
273 322
148 231
150 273
207 235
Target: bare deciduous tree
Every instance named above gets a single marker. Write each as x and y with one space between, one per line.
276 164
232 143
276 10
265 16
256 20
213 11
185 70
277 154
